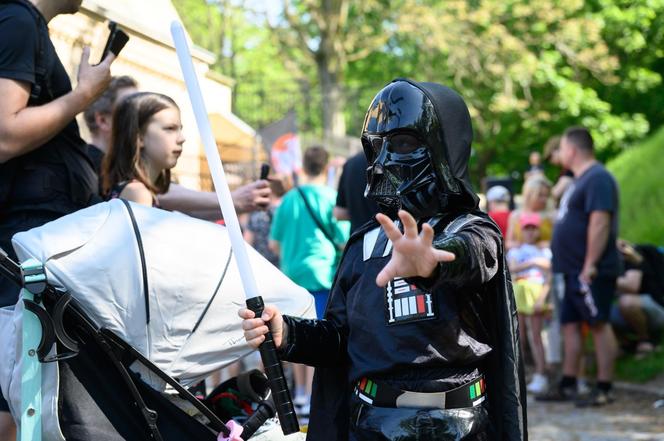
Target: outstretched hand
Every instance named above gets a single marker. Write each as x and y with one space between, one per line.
412 253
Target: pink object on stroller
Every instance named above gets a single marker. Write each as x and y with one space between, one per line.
235 432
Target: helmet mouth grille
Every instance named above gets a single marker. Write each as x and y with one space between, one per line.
384 192
384 187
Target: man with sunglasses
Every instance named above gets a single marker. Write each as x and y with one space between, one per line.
419 336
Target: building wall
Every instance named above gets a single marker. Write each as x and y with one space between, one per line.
149 58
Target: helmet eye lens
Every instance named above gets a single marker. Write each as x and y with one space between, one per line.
404 144
376 144
399 143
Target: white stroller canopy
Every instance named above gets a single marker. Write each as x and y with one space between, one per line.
193 284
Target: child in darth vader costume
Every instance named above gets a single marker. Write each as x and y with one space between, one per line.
419 337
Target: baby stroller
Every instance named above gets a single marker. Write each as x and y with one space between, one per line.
127 306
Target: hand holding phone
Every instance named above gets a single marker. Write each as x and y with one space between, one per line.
117 39
265 170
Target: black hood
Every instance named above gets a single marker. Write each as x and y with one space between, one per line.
457 134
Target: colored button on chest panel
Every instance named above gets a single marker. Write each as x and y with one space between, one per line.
406 303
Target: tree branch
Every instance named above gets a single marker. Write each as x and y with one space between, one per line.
295 24
284 46
362 53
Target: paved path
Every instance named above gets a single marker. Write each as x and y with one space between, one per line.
630 418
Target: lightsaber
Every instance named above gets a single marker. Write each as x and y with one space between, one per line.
268 350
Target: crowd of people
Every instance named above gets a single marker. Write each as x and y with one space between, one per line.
573 276
387 296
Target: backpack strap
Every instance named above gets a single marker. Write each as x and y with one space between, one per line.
319 224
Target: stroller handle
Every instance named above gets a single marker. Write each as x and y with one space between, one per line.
10 269
275 375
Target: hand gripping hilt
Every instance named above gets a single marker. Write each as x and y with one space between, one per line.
275 375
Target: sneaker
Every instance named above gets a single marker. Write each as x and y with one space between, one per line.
583 388
303 411
595 398
558 394
300 400
538 385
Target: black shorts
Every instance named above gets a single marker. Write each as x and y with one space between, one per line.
591 306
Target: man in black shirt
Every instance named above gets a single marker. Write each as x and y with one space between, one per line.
420 321
45 172
586 259
351 203
44 166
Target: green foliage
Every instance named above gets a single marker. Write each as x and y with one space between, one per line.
634 31
629 368
203 23
639 171
527 68
332 35
268 82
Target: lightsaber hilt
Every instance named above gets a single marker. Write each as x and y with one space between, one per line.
275 375
263 412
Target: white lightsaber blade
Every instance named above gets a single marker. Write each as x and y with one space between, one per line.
214 161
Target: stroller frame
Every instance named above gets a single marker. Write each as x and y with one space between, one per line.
46 310
32 375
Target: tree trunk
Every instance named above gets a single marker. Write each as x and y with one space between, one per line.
334 125
478 172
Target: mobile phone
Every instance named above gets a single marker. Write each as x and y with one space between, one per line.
117 39
112 27
265 170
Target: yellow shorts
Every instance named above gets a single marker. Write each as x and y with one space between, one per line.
526 293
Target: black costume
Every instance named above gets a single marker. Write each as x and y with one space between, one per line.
97 157
453 332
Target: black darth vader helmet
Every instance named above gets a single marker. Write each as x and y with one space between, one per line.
416 138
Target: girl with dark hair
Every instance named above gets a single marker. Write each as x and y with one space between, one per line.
146 143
